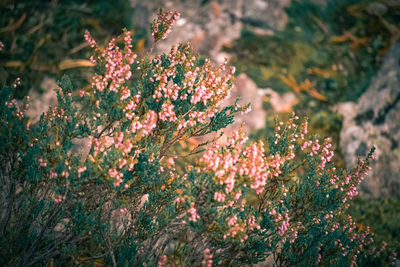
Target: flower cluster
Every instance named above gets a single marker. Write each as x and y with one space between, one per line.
193 214
176 80
239 171
185 80
162 261
161 26
117 63
246 164
207 259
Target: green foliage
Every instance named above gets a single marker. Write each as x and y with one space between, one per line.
382 215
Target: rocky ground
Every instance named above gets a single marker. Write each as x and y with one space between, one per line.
374 120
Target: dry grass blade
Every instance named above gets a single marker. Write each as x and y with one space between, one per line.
74 63
14 26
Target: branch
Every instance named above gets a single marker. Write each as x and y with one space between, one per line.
31 250
104 129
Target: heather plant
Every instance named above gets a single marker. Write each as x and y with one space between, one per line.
121 200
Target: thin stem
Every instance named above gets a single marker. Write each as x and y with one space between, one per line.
31 250
105 129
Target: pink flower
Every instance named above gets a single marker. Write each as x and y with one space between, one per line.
123 210
150 123
219 196
207 258
232 220
193 214
42 162
90 40
162 261
58 198
81 169
167 112
117 63
161 26
116 175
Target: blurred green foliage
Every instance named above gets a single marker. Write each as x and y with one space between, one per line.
382 215
42 37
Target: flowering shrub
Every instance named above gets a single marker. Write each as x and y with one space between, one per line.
122 200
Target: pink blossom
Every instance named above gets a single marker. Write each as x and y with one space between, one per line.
81 169
42 162
232 220
150 123
161 26
162 261
116 175
207 258
90 40
167 112
219 196
193 214
58 198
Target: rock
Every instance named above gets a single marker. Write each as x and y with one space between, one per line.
247 91
266 14
377 9
280 103
209 25
392 2
141 16
40 103
375 121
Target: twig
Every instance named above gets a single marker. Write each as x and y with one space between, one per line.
40 236
105 129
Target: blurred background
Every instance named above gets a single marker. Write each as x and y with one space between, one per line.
336 62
